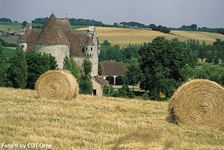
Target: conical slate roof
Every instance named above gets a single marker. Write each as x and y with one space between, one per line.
57 32
52 33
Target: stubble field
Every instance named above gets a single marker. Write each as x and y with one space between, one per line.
96 123
124 36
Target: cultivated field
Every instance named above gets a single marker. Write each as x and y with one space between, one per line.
11 27
96 123
124 36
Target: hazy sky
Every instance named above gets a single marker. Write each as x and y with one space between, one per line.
171 13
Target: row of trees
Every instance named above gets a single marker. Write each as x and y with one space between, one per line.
5 20
132 24
194 27
208 53
90 22
213 53
73 21
160 28
115 53
22 70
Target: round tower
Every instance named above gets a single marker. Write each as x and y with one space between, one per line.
52 40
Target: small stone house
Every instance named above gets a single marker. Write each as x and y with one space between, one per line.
58 39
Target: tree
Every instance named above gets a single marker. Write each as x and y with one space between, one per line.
109 52
17 72
130 52
124 91
153 26
133 75
3 69
70 65
87 67
211 72
37 65
24 23
85 83
194 27
161 62
108 90
186 72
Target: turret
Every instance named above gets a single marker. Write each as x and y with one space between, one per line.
89 48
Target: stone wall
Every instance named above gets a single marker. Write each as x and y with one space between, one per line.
58 51
78 60
98 87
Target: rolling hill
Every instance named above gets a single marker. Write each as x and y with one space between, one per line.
124 36
95 123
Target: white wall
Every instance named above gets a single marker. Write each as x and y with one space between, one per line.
23 45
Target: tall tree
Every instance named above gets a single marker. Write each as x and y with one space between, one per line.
70 65
161 62
85 83
133 75
17 72
24 23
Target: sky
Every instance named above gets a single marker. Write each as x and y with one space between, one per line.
170 13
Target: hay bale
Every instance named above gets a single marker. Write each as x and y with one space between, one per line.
198 103
56 84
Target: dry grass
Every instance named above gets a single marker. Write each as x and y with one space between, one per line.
124 36
97 123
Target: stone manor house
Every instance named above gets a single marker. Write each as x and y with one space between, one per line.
58 39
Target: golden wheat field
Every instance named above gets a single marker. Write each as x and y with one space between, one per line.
124 36
95 123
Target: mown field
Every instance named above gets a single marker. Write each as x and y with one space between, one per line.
124 36
96 123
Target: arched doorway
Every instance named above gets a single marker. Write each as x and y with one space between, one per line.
119 80
110 79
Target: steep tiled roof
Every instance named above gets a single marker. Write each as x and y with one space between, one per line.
78 41
89 41
30 38
112 68
56 31
52 33
100 80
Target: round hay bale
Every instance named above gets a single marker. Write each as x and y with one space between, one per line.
198 103
56 84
